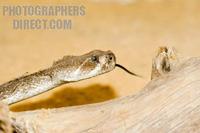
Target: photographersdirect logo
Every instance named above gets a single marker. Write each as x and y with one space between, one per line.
41 17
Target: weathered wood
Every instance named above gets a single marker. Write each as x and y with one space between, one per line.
5 122
169 103
164 61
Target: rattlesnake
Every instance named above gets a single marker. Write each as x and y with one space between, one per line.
66 70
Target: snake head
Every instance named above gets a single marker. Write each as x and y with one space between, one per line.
97 62
74 68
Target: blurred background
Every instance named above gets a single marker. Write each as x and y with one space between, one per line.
132 29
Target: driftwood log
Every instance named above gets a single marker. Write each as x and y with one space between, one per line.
169 103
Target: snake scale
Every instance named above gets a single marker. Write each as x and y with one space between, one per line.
66 70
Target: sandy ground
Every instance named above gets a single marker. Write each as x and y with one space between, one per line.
132 29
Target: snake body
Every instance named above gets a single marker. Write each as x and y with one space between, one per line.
66 70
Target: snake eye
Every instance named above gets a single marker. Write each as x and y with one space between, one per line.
110 58
94 58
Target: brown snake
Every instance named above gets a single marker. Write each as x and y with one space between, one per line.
66 70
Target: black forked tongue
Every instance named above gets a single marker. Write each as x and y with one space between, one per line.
120 66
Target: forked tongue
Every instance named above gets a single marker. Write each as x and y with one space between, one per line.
122 67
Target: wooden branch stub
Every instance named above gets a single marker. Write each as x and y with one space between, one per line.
163 61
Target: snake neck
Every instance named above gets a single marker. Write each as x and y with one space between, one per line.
30 85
